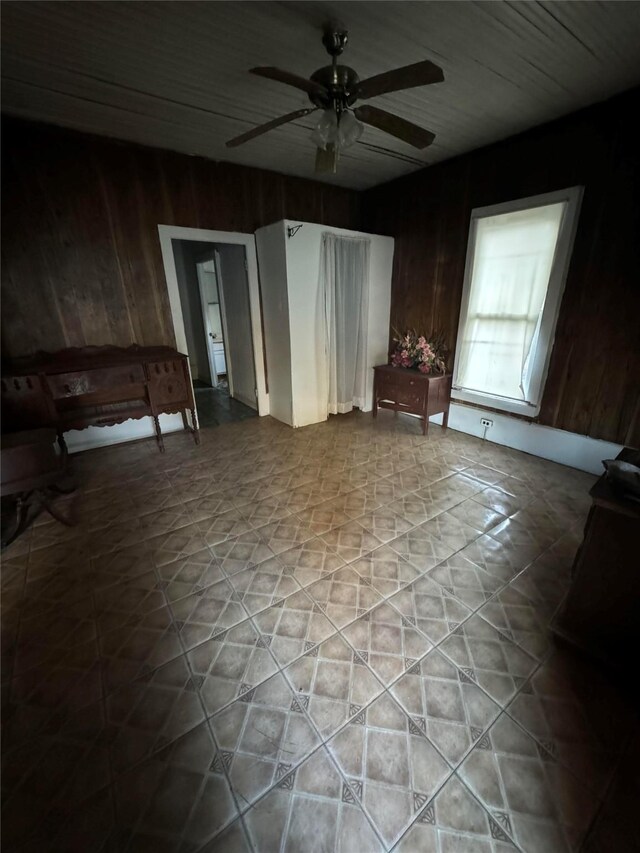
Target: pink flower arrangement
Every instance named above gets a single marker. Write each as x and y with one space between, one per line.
413 350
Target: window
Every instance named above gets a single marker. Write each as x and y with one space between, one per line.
517 260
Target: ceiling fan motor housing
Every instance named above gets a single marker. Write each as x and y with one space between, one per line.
341 83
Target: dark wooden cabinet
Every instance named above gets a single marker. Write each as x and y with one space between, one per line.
602 608
96 386
406 390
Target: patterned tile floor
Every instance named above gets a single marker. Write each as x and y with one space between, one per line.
329 639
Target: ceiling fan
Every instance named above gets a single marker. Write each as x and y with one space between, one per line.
334 89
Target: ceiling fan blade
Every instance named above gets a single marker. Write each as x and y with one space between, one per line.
309 86
418 74
396 126
264 128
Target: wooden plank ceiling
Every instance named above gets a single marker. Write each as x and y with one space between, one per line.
174 74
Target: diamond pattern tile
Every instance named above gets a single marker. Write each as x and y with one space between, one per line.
332 684
117 603
446 705
343 596
351 541
200 616
501 501
312 494
391 768
164 520
387 641
168 547
386 570
536 801
407 480
289 533
268 510
543 582
481 518
384 524
137 647
500 559
233 652
140 718
262 737
242 552
360 501
224 525
455 821
467 582
232 664
264 585
325 516
181 792
428 607
485 474
518 534
311 802
488 658
421 548
293 627
514 615
451 530
415 510
310 561
576 713
189 575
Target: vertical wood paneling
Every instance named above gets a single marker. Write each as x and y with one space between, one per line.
593 386
81 257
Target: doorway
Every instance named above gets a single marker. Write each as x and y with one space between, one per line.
213 292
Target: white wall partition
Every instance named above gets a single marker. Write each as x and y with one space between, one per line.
237 313
272 260
292 306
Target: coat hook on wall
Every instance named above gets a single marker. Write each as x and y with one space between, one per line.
292 230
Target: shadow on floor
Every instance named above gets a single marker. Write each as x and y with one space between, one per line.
216 407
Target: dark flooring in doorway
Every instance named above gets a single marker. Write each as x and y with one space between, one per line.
216 407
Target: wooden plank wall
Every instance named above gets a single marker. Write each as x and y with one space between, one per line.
593 385
81 261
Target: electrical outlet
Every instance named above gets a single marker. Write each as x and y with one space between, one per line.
485 422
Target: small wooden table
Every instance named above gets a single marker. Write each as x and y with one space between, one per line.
406 390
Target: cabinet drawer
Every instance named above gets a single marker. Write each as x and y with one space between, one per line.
167 383
409 393
81 382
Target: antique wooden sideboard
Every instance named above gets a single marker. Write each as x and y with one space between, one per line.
413 392
602 609
96 386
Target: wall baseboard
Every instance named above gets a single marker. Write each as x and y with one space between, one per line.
567 448
92 437
557 445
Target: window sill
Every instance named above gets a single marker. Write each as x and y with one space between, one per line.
514 407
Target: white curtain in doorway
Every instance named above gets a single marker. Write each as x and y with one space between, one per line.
344 287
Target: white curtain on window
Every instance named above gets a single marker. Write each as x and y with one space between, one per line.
512 262
344 288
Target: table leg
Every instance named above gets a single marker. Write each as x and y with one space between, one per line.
22 515
159 438
196 428
62 444
445 420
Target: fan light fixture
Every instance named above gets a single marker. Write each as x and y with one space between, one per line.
334 89
335 131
